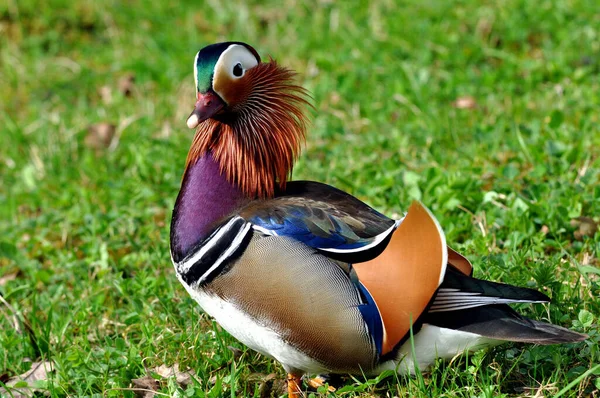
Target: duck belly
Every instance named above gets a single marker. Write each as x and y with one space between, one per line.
431 343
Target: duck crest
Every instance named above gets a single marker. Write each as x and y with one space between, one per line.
256 144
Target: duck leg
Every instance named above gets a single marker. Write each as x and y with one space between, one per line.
294 385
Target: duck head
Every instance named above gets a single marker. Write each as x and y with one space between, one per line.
219 71
249 116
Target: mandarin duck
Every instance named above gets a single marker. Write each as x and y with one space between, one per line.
306 273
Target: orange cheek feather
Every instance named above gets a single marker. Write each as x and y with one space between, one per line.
233 91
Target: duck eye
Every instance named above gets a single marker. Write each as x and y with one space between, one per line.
238 71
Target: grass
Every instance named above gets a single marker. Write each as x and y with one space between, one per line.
84 229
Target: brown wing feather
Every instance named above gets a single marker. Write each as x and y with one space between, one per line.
406 275
460 262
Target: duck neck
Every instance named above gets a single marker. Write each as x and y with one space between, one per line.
205 198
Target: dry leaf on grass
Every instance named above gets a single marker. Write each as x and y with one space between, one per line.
237 353
183 378
8 277
100 135
25 385
105 93
126 84
466 102
147 384
586 226
265 382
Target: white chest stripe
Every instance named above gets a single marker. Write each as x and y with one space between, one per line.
184 265
237 241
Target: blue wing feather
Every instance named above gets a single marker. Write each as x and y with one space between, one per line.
299 229
323 218
371 316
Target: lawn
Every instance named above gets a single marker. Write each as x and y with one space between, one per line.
485 111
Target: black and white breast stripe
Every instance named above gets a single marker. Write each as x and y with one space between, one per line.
213 254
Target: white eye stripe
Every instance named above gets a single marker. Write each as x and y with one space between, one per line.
235 54
196 70
223 74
